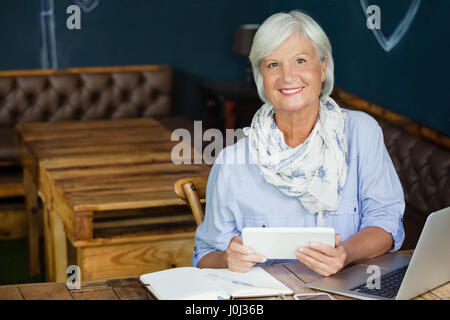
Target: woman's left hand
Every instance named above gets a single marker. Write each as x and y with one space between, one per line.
322 258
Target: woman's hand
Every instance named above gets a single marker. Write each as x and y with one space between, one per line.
240 258
322 258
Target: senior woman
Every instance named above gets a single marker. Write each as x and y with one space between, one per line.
308 162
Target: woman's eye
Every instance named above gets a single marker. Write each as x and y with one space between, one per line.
301 60
271 65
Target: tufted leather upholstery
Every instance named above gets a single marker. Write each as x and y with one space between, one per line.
424 171
85 96
81 94
423 168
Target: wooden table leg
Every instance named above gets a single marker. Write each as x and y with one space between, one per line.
84 227
58 240
34 221
49 251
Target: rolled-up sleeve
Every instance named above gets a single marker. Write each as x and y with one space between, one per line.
219 226
381 194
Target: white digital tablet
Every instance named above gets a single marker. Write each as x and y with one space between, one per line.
281 243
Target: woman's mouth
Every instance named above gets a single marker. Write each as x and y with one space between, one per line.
290 91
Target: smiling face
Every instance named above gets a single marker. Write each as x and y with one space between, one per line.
293 74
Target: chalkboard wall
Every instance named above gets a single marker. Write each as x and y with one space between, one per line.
195 38
411 79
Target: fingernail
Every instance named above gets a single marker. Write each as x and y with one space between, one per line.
301 249
312 244
264 259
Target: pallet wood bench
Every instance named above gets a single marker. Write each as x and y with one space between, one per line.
97 181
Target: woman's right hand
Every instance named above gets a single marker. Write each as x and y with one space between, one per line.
240 258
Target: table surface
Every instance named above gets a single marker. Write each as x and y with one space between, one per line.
294 275
109 165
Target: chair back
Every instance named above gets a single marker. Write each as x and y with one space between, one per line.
193 191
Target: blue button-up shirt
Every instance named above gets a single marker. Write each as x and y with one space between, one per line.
237 195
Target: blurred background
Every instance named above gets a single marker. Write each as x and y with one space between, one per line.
197 39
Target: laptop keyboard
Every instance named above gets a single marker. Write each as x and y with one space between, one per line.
389 284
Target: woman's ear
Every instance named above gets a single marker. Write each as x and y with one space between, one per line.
323 76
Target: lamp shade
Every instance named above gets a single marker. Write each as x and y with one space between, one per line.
243 39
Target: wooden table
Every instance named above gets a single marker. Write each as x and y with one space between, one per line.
294 275
94 175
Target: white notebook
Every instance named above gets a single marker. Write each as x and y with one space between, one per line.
191 283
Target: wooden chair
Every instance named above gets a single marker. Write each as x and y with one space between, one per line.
193 191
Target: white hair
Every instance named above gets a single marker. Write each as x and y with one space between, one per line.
275 30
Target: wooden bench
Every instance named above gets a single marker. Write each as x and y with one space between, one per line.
107 193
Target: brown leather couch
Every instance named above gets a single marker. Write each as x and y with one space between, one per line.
91 93
424 171
81 94
423 165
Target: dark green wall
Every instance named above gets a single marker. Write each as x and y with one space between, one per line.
19 35
195 38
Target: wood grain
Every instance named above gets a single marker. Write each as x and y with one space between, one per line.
49 291
192 197
49 251
88 167
283 274
129 288
10 293
443 291
58 236
97 294
135 258
107 69
34 220
302 272
82 168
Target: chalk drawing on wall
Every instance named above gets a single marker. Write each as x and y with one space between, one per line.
49 56
387 43
87 5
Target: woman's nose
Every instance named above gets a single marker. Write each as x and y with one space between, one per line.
287 73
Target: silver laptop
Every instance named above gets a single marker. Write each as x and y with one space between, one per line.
400 278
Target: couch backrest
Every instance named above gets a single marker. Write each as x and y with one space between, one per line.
85 93
424 171
421 157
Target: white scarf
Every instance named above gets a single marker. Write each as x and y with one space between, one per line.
314 171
